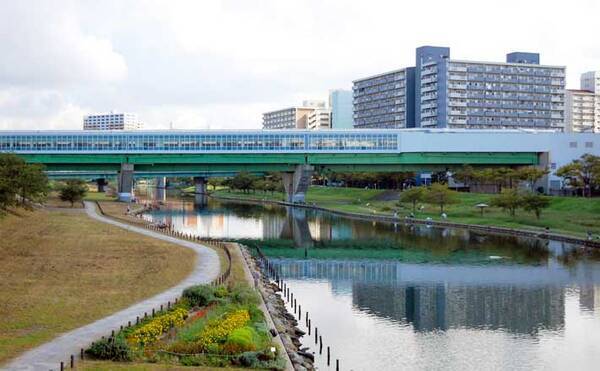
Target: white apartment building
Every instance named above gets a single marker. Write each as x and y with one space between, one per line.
580 111
112 121
582 106
292 117
319 119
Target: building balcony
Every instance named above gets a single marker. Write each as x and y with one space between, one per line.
429 79
428 88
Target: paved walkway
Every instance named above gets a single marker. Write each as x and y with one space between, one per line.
48 356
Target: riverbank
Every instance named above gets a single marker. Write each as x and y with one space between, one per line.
568 219
62 270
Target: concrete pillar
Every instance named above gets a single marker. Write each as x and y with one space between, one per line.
200 198
125 186
296 183
100 183
161 182
200 185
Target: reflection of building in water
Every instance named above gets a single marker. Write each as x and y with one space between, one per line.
272 224
589 297
320 229
521 310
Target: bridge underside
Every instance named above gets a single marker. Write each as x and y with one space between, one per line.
168 164
126 167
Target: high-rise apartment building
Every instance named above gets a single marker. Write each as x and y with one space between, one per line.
292 117
580 113
319 119
112 121
519 93
385 100
582 107
448 93
340 103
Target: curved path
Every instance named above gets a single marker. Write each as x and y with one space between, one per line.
49 355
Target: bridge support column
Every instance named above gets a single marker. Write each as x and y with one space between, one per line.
199 185
161 182
125 187
100 183
296 183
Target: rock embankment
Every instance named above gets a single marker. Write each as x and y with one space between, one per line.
285 323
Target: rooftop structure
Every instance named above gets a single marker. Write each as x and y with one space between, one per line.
292 117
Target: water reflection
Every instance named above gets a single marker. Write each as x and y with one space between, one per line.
391 297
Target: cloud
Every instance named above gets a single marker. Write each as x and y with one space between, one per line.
222 63
44 45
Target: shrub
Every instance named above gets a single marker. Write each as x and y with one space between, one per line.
221 292
199 295
240 340
243 294
110 349
256 315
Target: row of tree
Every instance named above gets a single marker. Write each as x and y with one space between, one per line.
20 183
502 177
510 199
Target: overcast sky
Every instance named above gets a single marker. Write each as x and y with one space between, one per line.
220 64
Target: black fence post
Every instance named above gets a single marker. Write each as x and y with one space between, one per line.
72 361
328 355
320 344
337 365
81 354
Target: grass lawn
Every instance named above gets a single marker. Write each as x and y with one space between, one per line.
61 270
568 215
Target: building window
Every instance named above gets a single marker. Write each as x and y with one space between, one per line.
589 144
572 144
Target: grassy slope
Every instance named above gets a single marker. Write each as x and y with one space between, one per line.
573 216
104 366
61 270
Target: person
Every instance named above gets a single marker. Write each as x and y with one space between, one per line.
444 216
395 214
590 236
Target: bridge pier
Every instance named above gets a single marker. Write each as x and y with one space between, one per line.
101 182
161 182
200 198
125 182
296 183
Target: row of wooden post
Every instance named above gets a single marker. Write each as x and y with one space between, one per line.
272 273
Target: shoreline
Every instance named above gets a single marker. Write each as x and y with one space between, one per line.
390 219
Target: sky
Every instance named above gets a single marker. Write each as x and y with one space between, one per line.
221 64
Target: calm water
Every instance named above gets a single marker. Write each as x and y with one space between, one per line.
392 297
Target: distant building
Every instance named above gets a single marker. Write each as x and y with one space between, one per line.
580 112
292 117
519 93
591 81
340 103
582 106
319 119
385 100
112 121
445 93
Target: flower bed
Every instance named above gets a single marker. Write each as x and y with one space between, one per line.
211 326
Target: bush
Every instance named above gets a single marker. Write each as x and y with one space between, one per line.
240 340
244 295
113 350
199 295
221 292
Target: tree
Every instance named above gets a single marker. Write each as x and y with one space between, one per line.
73 190
509 200
20 180
32 184
214 182
582 173
531 174
535 202
441 195
466 174
413 195
242 181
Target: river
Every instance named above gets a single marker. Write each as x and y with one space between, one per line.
396 297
